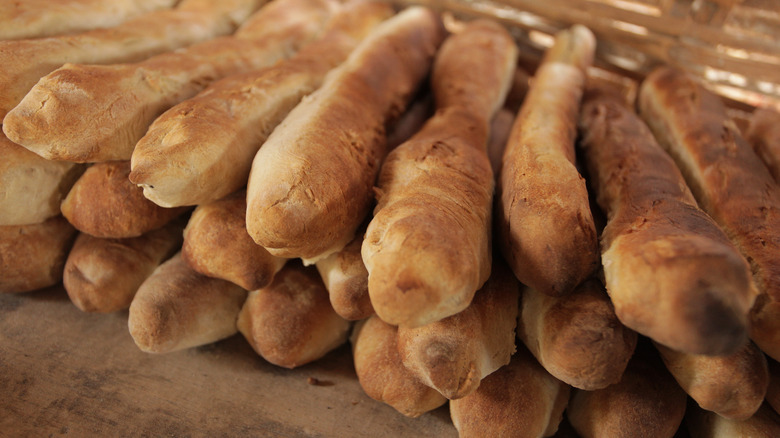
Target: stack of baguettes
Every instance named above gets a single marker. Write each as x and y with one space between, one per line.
633 285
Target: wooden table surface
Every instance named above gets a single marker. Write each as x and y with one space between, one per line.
68 373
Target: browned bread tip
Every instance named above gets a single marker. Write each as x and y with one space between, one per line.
177 308
291 322
104 203
381 373
763 133
216 244
455 354
103 275
577 338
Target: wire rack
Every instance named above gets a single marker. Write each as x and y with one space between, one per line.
734 45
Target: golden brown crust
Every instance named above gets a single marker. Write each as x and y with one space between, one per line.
647 402
671 273
201 149
764 135
32 256
291 322
26 61
428 247
93 113
216 244
544 218
176 308
32 187
576 338
104 203
311 183
103 275
346 278
455 354
725 175
520 399
381 373
732 386
705 424
42 18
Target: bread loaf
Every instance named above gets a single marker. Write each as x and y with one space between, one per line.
290 322
32 256
519 400
41 18
103 275
705 424
201 149
381 373
428 247
671 272
544 220
346 279
647 402
26 61
177 308
576 338
763 134
216 244
104 203
725 175
32 187
732 386
93 113
311 183
455 354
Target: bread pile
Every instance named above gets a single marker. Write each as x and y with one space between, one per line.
309 173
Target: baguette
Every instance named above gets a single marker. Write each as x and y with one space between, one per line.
176 308
519 400
381 373
455 354
104 203
201 149
428 247
32 187
725 175
544 220
92 113
42 18
705 424
32 256
310 184
346 279
576 338
671 272
647 402
216 244
26 61
732 386
290 322
103 275
765 325
763 133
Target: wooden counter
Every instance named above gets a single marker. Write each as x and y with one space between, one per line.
68 373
